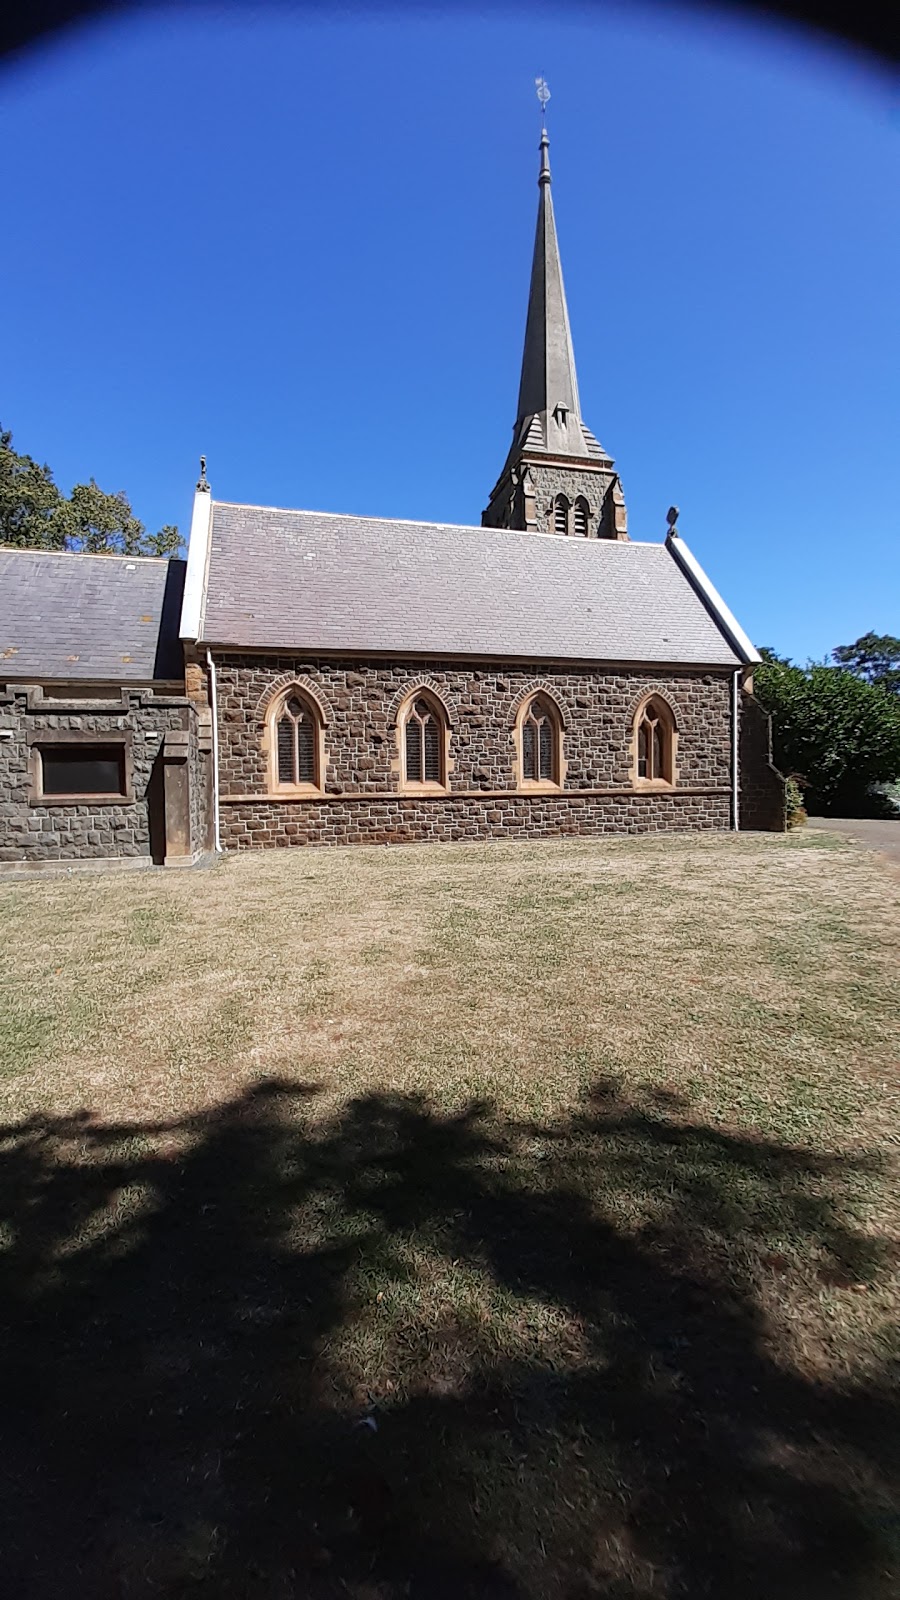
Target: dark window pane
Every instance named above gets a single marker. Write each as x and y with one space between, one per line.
295 707
659 766
529 751
642 750
413 751
546 749
306 751
432 751
286 751
83 769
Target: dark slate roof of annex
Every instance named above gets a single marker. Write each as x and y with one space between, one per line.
104 618
317 581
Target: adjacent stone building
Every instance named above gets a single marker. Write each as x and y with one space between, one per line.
357 680
102 754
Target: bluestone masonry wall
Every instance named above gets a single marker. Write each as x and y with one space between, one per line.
363 802
94 829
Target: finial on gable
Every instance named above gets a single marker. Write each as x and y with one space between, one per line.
671 519
203 481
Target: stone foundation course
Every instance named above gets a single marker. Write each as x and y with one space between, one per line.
404 820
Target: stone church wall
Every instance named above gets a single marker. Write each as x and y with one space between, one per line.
762 785
363 802
403 819
96 829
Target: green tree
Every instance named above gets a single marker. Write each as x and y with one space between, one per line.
31 506
165 543
98 522
35 515
874 657
833 729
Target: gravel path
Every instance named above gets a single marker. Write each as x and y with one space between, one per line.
876 835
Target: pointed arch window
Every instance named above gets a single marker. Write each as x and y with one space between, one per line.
423 732
296 738
560 514
540 744
655 738
580 518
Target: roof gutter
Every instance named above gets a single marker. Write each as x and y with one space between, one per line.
713 601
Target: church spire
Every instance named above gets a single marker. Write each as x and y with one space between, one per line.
557 477
549 387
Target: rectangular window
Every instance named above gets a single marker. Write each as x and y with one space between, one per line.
83 769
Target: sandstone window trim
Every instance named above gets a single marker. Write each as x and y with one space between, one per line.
654 745
295 739
113 748
423 743
540 767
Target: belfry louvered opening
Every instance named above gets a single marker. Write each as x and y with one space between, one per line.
580 518
423 744
297 743
560 514
541 734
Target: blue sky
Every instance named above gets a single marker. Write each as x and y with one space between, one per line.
302 246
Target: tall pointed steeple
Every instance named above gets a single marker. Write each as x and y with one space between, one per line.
549 387
555 463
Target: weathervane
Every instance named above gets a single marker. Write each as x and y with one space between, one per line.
543 94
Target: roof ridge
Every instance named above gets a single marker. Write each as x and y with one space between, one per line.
92 555
417 522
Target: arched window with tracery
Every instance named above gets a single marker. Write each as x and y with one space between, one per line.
296 741
423 742
654 743
580 518
560 514
540 742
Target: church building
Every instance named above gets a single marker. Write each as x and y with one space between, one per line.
342 679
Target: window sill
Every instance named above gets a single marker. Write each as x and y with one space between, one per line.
82 800
423 788
653 785
295 791
545 787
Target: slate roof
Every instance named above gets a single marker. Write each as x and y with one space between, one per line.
99 617
307 580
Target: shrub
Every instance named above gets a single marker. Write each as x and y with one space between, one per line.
837 732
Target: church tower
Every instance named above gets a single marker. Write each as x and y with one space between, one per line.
557 477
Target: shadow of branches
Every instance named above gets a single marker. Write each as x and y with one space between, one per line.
267 1352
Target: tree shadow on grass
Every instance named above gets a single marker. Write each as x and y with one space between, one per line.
263 1353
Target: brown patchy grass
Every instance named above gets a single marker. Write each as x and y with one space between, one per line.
568 1165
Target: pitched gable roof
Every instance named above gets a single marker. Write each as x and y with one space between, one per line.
307 580
103 618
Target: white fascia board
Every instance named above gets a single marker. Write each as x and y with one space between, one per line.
726 619
198 557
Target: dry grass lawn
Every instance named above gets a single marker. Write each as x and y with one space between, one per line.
514 1220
